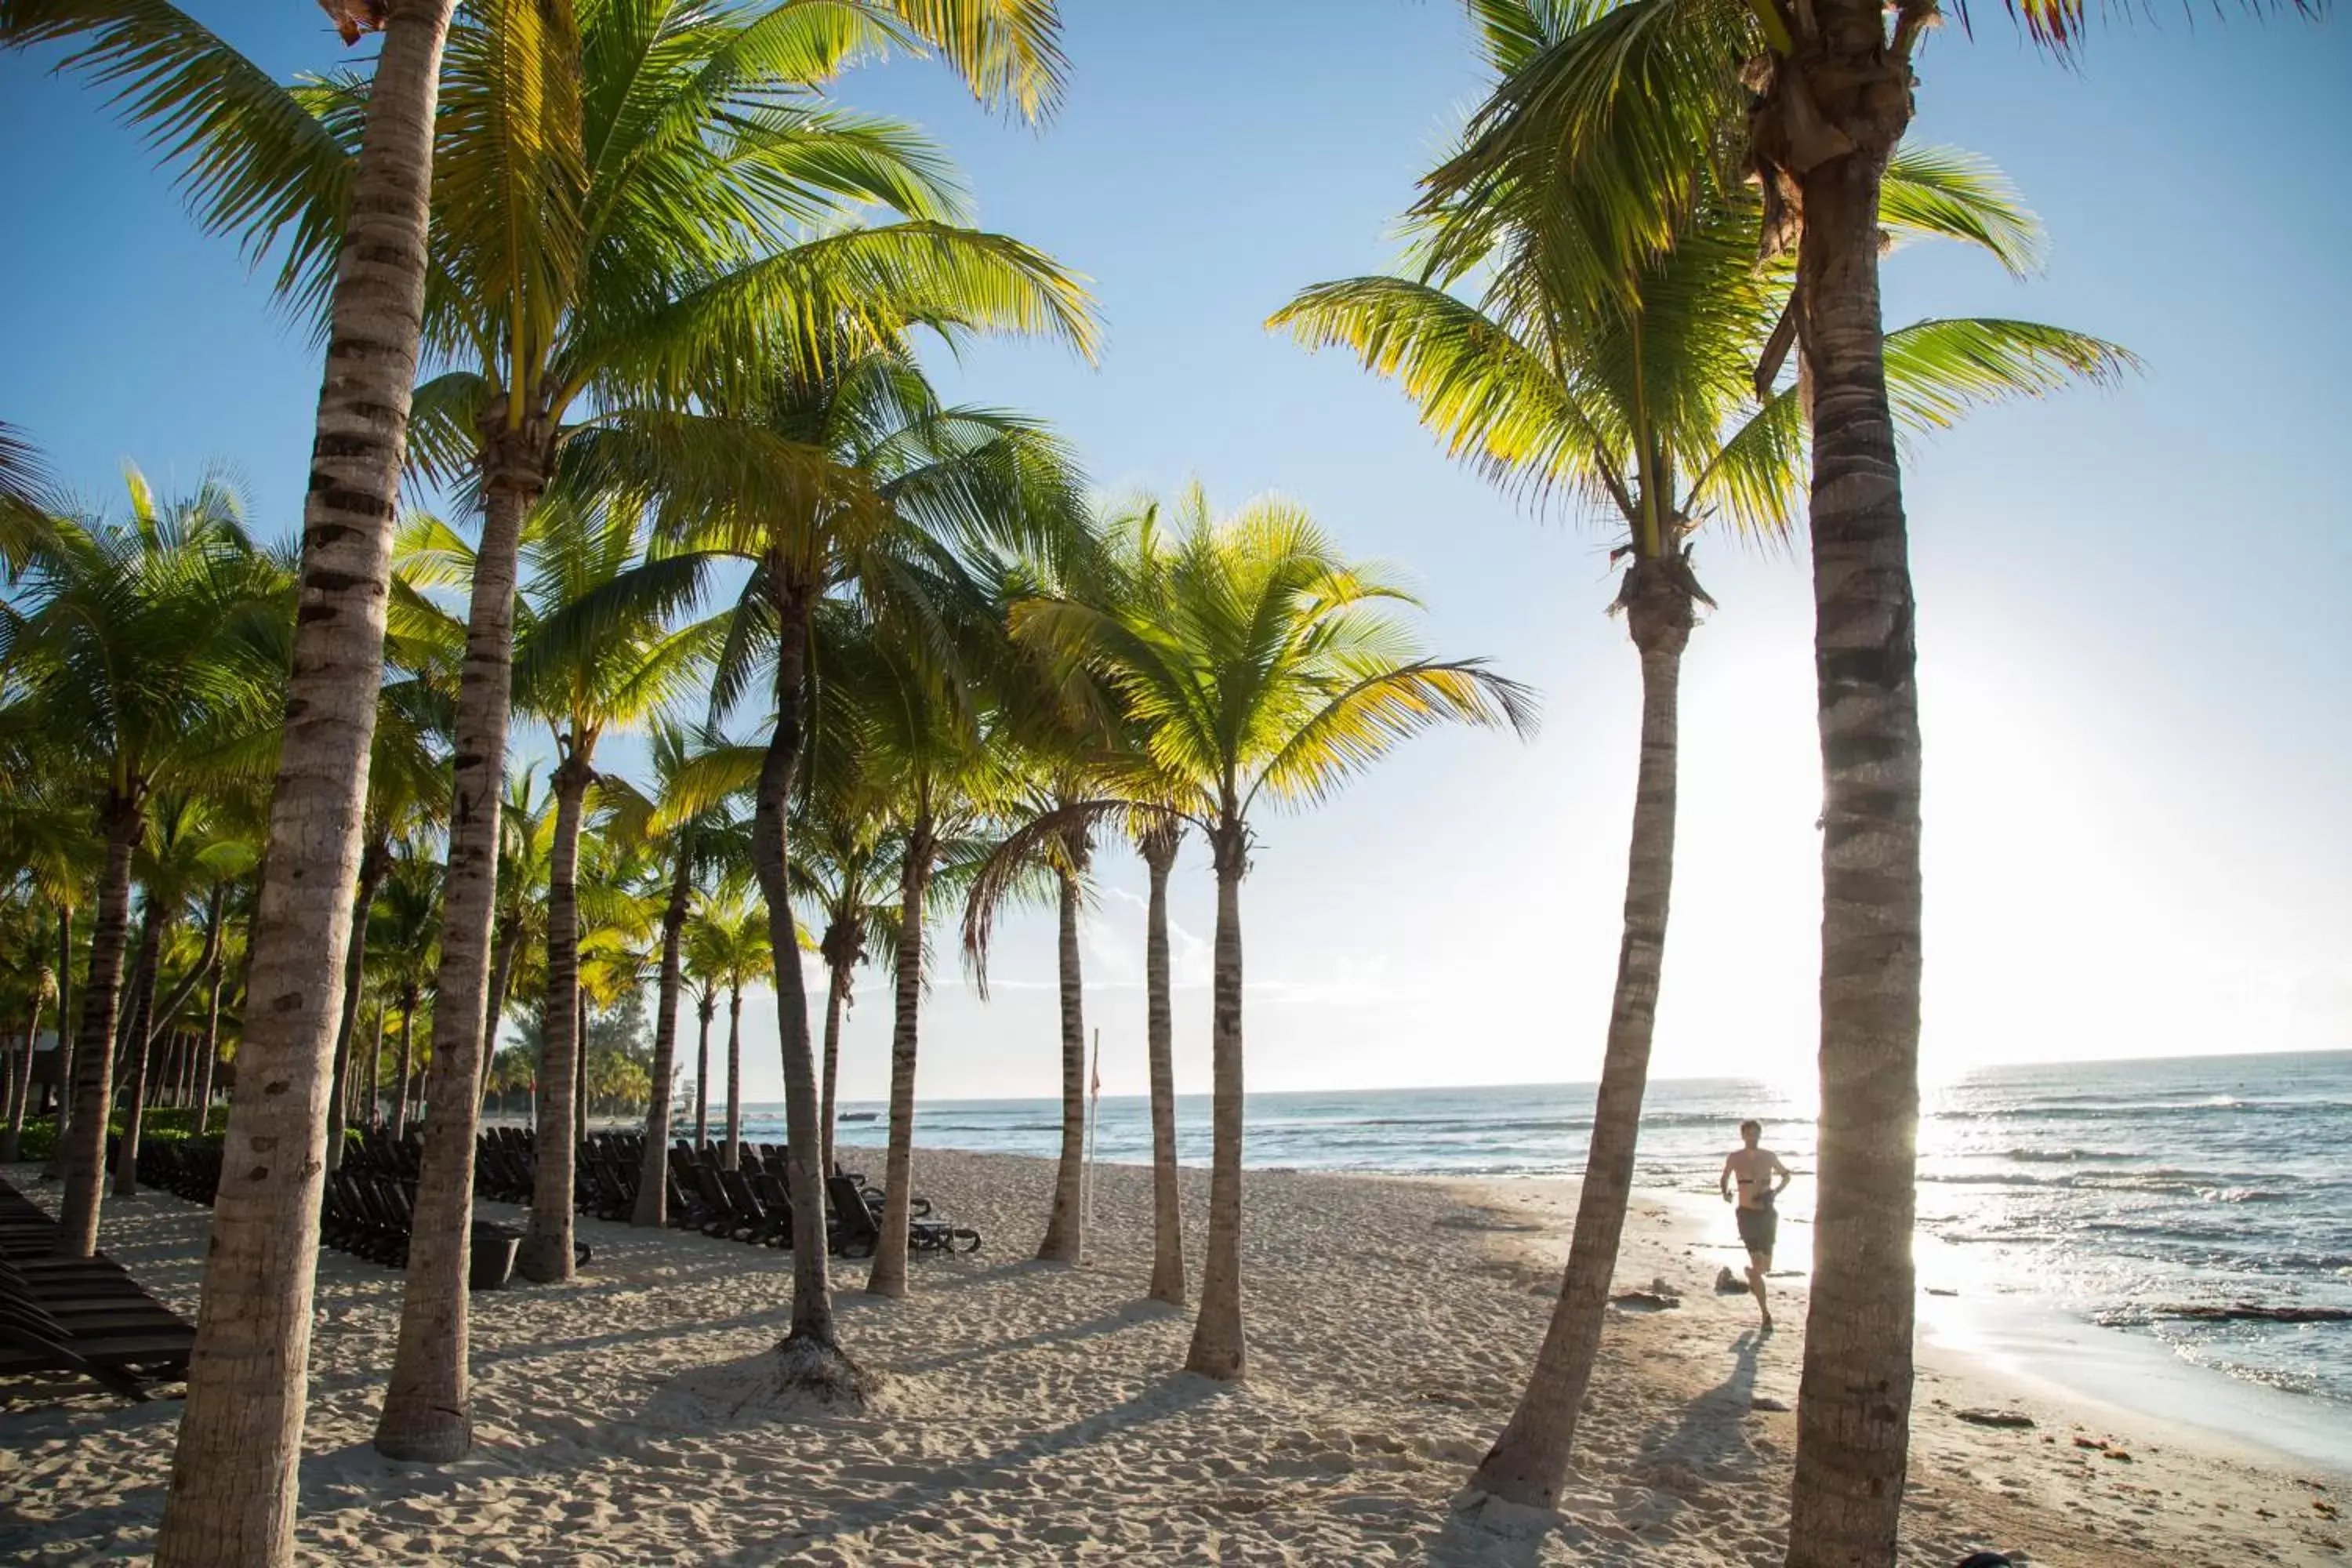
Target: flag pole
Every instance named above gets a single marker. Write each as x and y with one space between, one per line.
1094 1118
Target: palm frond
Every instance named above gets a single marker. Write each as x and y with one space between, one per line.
1946 194
1000 875
1357 726
1938 370
252 160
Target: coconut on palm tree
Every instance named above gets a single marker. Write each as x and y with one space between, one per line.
1274 671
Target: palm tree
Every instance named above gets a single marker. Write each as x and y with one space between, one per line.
186 851
259 167
699 837
405 950
1272 672
624 212
727 942
1633 404
526 846
842 857
1615 112
139 650
406 784
1061 863
1135 576
899 481
597 653
921 773
29 982
46 828
25 488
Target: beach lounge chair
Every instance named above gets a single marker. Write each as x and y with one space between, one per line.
861 1221
128 1364
771 1227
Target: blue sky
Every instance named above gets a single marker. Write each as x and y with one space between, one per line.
2134 603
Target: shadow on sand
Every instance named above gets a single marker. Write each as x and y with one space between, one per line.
1704 1443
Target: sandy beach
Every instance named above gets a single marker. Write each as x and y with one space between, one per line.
1033 1414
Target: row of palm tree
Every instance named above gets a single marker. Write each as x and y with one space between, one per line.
1001 671
630 242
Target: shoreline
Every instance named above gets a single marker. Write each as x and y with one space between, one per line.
2037 1349
1037 1414
2024 1350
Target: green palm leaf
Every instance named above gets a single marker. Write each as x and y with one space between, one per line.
253 162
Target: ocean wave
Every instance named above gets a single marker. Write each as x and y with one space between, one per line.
2131 1109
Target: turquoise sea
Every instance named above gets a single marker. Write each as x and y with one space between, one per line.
2118 1192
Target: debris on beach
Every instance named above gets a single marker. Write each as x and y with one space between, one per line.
1985 1416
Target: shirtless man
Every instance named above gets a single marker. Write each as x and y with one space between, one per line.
1762 1179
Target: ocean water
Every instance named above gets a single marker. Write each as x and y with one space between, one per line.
2117 1192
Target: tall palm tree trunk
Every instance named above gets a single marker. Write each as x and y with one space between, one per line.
809 1357
427 1404
545 1254
375 1071
208 1059
888 1275
9 1099
408 1000
1218 1349
579 1068
509 937
837 997
732 1147
139 1051
653 1181
1530 1460
1159 1038
1854 1397
20 1092
82 1155
374 863
183 1070
146 1031
64 1078
1065 1237
704 1009
231 1500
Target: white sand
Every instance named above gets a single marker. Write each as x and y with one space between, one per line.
1034 1414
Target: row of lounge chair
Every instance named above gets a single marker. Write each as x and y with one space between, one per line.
187 1168
751 1201
83 1315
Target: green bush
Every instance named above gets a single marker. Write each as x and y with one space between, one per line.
40 1139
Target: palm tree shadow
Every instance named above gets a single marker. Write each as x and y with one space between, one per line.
1464 1542
1704 1443
1707 1442
1172 1396
1117 1318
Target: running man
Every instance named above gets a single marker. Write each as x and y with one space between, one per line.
1762 1179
